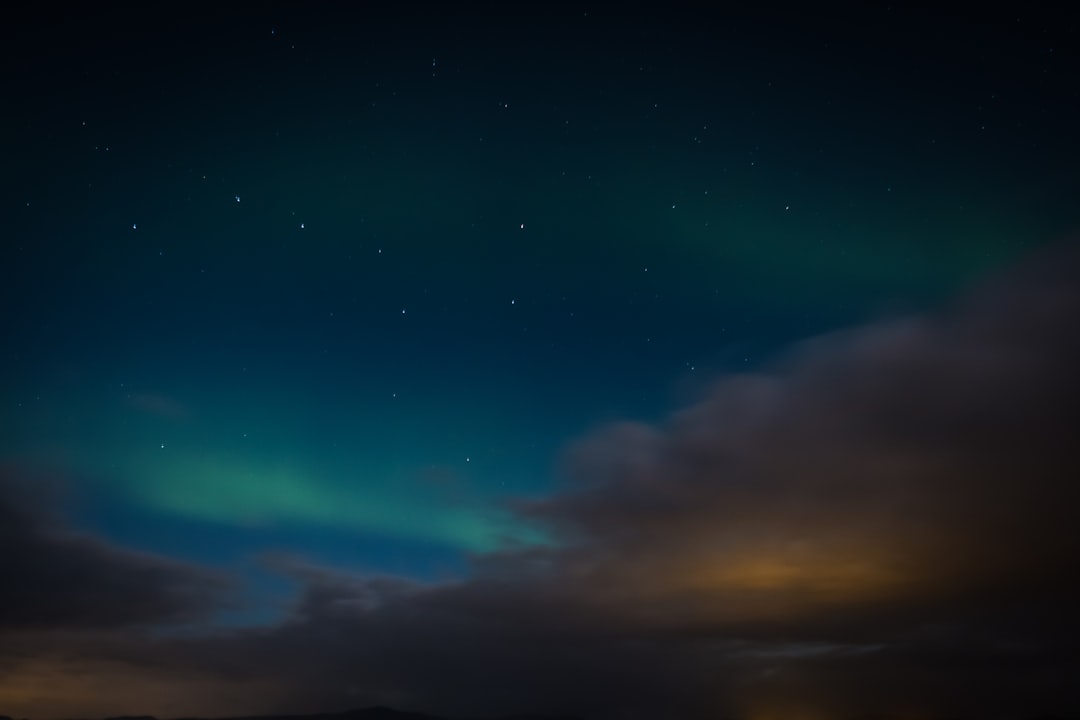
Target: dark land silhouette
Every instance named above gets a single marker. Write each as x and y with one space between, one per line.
386 713
372 713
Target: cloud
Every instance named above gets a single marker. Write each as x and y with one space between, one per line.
914 463
56 578
880 524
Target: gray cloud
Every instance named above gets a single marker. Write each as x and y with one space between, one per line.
56 578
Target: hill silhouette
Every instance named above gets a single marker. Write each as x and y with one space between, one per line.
372 713
386 713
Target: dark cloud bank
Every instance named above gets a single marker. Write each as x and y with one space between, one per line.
57 579
883 524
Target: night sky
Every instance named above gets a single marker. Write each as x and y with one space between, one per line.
626 363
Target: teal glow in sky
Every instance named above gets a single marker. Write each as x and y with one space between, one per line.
377 289
314 282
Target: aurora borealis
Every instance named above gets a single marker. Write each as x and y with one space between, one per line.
577 359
